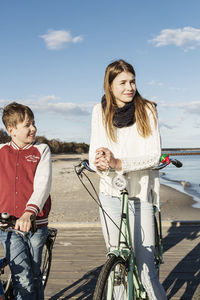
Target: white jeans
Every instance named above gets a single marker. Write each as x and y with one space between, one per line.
142 234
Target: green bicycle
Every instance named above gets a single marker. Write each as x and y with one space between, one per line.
119 277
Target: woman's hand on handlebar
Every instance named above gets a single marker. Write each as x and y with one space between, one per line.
105 159
24 222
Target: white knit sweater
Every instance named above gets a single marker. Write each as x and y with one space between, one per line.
137 154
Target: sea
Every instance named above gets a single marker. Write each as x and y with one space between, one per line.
185 179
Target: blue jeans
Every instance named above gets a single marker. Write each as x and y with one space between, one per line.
141 218
24 257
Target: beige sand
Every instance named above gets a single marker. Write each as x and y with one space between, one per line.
71 203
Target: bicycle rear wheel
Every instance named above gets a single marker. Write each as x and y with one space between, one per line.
46 262
47 255
158 247
112 282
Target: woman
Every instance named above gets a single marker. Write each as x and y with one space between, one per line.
125 137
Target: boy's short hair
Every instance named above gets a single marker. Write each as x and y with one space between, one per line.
15 113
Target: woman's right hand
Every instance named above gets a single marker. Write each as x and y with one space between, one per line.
101 162
105 159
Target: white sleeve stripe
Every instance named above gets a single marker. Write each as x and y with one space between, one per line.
42 221
34 209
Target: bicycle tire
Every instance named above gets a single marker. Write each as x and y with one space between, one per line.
8 288
157 259
46 263
114 266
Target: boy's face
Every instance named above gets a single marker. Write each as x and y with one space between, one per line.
24 133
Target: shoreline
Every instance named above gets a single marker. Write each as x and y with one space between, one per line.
72 204
184 187
176 205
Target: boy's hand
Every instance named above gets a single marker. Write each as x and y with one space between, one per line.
24 222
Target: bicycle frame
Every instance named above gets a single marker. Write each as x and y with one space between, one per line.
125 250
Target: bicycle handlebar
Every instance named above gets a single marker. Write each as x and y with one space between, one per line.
7 224
84 164
176 163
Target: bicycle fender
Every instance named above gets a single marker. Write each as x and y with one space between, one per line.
113 252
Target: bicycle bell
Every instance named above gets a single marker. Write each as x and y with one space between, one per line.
119 182
5 215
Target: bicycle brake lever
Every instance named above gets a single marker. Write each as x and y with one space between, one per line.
33 223
22 233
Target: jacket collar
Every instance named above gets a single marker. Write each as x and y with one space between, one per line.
16 147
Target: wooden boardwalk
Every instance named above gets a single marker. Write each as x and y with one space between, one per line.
80 252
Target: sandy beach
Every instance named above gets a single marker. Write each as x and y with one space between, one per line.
71 202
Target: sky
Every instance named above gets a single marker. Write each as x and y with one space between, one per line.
53 55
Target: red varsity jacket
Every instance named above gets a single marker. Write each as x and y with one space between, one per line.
25 180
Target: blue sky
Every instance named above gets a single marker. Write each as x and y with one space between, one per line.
53 56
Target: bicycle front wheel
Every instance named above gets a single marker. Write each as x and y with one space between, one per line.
112 283
6 280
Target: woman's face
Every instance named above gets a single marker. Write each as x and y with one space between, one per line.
123 88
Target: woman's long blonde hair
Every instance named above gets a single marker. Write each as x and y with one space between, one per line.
141 104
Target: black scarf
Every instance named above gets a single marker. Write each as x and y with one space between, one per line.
123 116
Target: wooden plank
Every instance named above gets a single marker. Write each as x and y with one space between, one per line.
76 267
80 252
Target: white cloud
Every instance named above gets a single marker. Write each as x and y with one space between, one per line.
165 125
52 105
192 107
66 109
56 39
152 82
187 37
185 111
197 125
155 82
49 105
173 88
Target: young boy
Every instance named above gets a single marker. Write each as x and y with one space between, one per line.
25 181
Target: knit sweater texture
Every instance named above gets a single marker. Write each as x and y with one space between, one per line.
138 155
